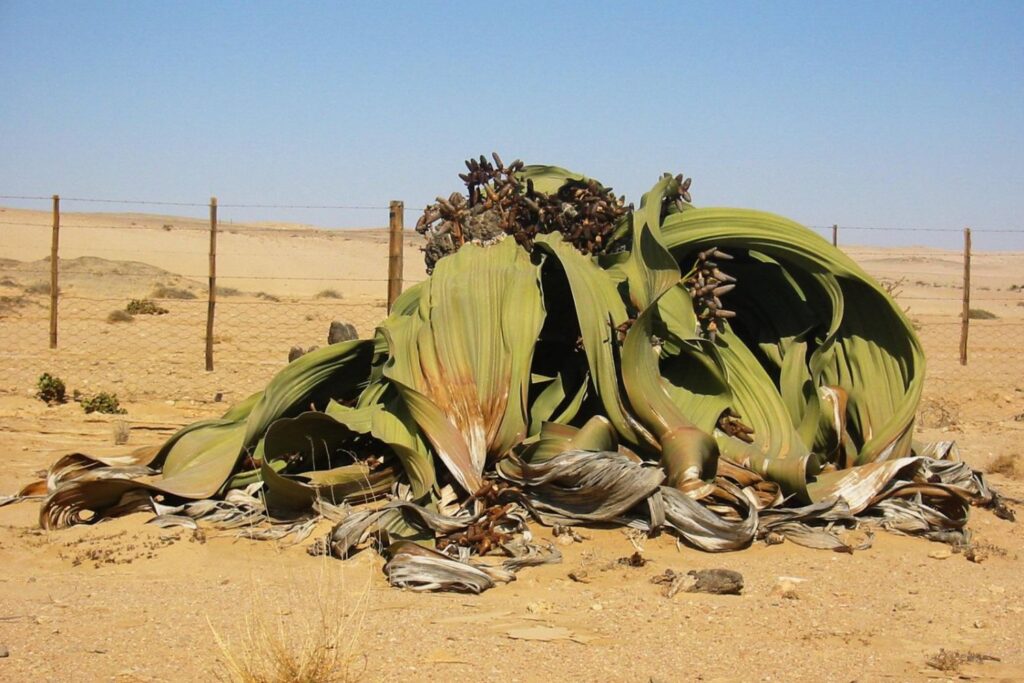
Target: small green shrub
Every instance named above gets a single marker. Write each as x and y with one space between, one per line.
266 297
8 282
165 292
119 316
101 403
144 307
51 389
328 294
981 314
228 291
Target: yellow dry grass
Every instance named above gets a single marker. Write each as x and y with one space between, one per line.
298 635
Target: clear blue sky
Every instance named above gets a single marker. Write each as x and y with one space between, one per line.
878 114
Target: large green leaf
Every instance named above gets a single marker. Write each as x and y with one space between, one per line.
687 452
317 449
548 179
394 426
869 350
462 365
599 310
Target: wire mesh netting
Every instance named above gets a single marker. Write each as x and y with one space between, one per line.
281 284
133 298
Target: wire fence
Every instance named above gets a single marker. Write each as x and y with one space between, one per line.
282 285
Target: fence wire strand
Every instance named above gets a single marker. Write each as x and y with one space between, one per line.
261 314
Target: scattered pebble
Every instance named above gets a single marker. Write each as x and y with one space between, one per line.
4 652
540 607
566 535
940 554
580 576
976 554
786 587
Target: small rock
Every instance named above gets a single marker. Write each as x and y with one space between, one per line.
597 607
218 397
341 331
580 576
714 581
169 402
4 652
940 554
978 623
295 352
976 554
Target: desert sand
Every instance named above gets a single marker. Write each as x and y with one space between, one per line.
128 602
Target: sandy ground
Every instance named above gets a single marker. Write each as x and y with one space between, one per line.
124 601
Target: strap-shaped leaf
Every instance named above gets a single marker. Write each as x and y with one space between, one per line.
872 354
462 365
599 310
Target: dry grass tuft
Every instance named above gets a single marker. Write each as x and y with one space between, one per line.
287 638
937 413
328 294
120 316
122 430
1005 464
8 303
981 314
165 292
952 660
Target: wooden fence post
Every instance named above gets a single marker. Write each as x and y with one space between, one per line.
396 227
212 300
965 315
835 235
54 260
